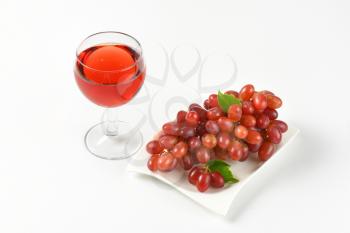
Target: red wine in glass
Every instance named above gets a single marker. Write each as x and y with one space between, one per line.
109 71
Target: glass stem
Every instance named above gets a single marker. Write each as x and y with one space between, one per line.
110 122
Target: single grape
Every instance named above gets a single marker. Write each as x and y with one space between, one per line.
266 151
193 105
245 153
223 140
200 130
171 128
253 147
246 92
166 162
271 113
152 163
234 112
259 101
206 104
213 100
216 180
231 92
168 141
154 147
209 140
194 174
180 149
241 131
187 132
235 150
220 153
247 107
262 121
203 182
273 101
225 124
266 92
186 162
194 143
214 113
248 121
181 115
253 137
273 134
202 113
212 127
203 154
283 127
192 118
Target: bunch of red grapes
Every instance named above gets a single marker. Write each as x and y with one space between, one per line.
205 133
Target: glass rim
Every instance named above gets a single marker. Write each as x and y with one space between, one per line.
108 71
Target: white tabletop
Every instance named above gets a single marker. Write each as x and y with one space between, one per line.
50 183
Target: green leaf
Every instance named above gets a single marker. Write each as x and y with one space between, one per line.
223 168
226 100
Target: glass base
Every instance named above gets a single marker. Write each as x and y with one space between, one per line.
125 144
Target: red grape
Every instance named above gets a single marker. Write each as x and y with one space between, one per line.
246 92
253 137
241 131
206 104
216 180
266 92
152 163
171 128
220 153
262 121
283 127
214 113
194 143
154 147
166 162
213 100
187 132
209 140
200 130
212 127
193 105
192 118
194 174
225 124
180 118
273 101
247 107
202 113
223 140
180 149
259 101
271 113
168 141
248 121
203 182
186 162
266 151
254 147
245 152
234 112
235 150
273 134
231 92
203 154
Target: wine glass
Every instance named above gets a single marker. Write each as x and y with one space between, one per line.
109 71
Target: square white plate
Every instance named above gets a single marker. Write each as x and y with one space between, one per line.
216 200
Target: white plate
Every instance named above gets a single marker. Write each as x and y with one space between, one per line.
216 200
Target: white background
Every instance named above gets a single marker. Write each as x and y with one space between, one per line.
50 183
